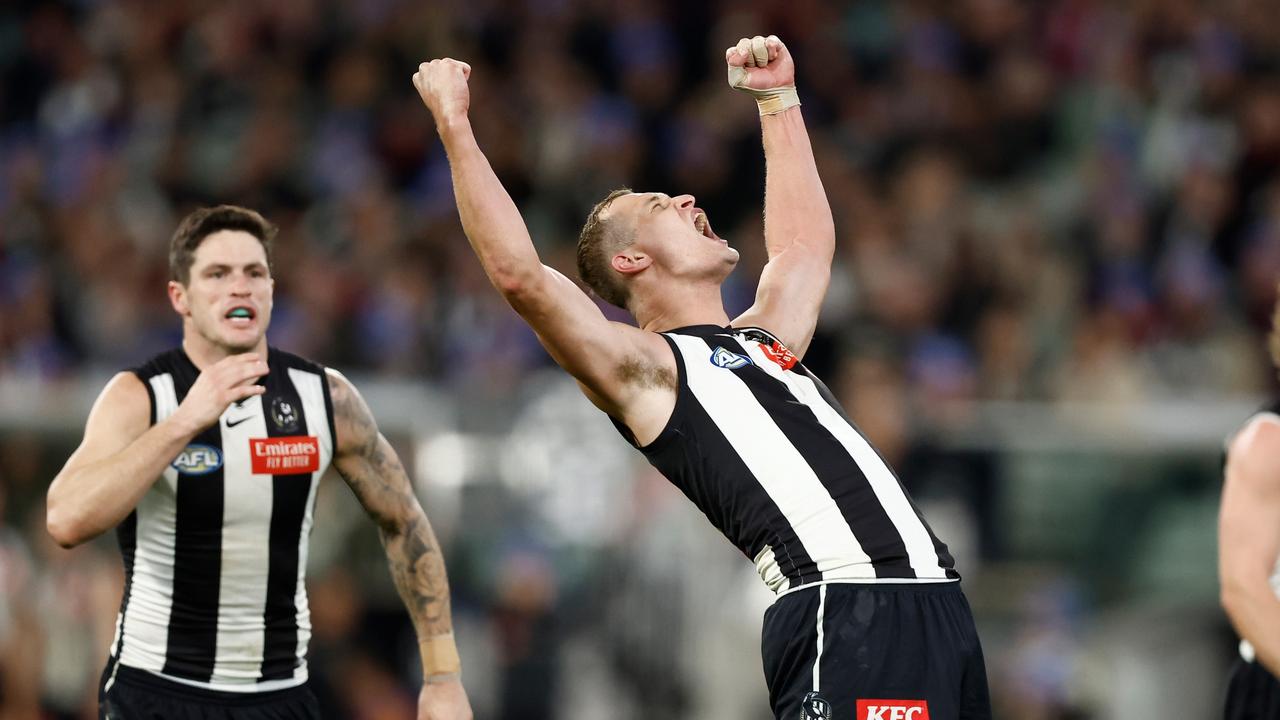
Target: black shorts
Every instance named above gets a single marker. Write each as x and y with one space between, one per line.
888 652
140 695
1253 694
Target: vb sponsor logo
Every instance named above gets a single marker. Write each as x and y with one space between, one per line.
197 460
285 455
893 710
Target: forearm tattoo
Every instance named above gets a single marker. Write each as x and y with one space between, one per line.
374 473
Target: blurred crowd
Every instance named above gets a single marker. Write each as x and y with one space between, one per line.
1049 200
1071 199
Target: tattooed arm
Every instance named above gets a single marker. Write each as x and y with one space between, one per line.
371 468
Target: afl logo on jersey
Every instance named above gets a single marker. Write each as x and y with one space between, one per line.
197 460
283 414
729 360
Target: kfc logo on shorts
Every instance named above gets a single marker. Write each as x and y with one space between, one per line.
285 455
893 710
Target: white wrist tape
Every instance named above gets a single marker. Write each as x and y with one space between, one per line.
439 655
770 101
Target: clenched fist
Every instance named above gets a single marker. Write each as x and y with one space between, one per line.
442 84
762 67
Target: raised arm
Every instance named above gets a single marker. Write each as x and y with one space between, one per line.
122 454
799 233
567 322
371 468
1249 538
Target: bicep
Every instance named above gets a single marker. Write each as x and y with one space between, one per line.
364 458
1249 519
379 481
789 296
119 416
578 335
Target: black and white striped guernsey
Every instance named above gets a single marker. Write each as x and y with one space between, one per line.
215 553
762 447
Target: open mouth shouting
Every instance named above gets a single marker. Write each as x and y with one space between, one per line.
703 226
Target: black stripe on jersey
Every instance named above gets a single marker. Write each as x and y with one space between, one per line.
328 406
151 395
127 536
729 494
743 503
834 467
197 565
289 495
944 554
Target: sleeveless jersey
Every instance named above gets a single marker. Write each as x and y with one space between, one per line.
765 451
215 553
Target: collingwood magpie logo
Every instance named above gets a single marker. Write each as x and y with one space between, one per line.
815 707
284 415
729 360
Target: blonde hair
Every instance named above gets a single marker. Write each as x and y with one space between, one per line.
599 240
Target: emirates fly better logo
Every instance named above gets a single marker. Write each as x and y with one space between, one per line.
893 710
285 455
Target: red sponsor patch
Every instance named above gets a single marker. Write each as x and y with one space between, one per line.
780 354
285 455
892 710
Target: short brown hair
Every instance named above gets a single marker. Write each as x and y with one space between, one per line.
599 240
206 221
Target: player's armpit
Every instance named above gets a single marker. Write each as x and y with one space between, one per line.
1249 537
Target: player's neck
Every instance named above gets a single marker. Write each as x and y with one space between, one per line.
692 305
204 353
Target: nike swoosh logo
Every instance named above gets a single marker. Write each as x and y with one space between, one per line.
233 424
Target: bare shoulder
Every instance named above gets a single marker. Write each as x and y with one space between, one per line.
120 415
352 419
1254 452
339 387
124 399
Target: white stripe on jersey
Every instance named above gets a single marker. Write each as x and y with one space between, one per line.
247 502
310 389
775 462
817 661
920 551
146 621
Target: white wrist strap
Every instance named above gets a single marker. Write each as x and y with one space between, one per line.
771 101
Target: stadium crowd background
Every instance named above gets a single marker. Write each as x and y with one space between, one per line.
1054 205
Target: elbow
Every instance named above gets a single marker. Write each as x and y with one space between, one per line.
516 285
64 530
511 285
64 525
